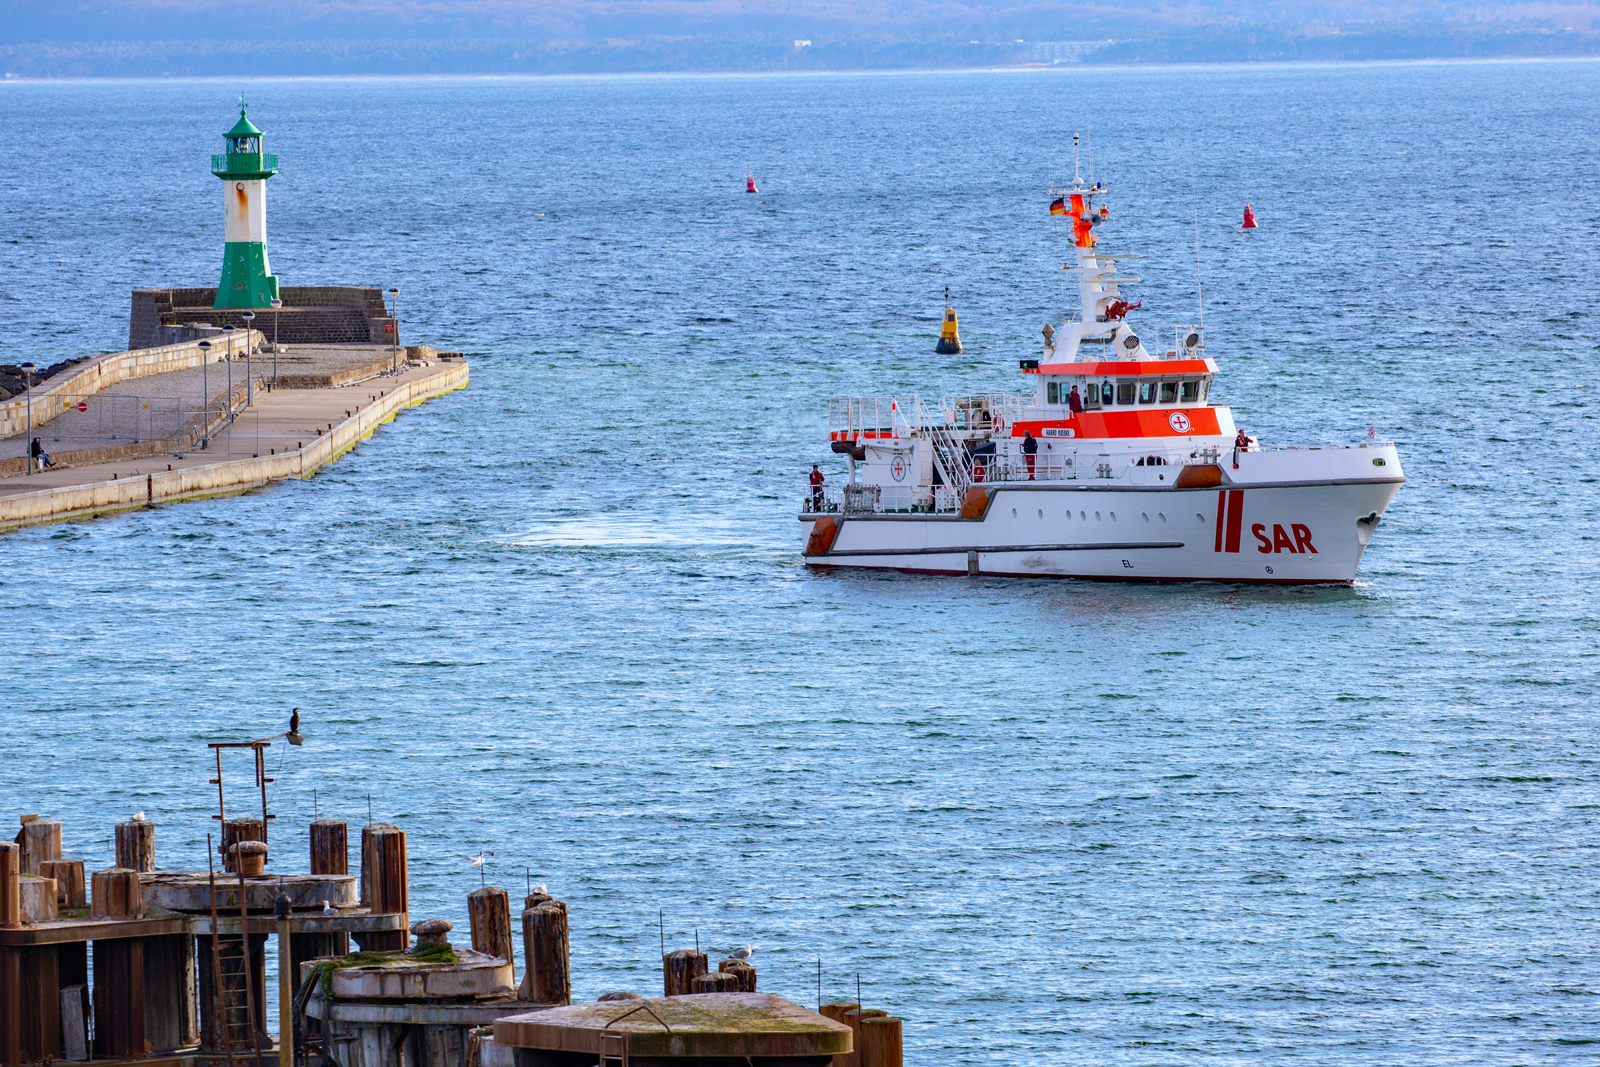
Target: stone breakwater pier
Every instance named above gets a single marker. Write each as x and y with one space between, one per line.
201 418
179 976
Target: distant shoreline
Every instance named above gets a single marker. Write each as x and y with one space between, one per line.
1208 46
1263 64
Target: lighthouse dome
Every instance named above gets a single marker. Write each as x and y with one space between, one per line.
244 127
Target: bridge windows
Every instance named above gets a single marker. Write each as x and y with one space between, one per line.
1147 392
1126 391
1169 392
1052 393
1191 392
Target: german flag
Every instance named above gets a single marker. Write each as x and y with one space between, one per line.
1058 206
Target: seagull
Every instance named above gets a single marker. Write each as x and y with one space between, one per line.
294 721
328 908
742 953
138 816
477 861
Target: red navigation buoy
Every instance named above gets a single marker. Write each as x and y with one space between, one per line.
750 183
1249 219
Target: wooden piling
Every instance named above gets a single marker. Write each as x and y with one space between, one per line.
383 881
852 1019
38 897
546 954
250 858
835 1010
116 895
330 847
716 982
70 889
490 911
881 1042
40 840
171 1011
10 884
136 845
119 1002
679 970
743 971
236 830
11 1002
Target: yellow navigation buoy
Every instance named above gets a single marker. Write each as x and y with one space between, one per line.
949 340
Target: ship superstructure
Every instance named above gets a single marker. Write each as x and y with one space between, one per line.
1115 465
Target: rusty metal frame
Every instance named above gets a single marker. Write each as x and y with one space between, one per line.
262 780
641 1006
219 1007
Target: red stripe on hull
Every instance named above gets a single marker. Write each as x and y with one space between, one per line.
1235 517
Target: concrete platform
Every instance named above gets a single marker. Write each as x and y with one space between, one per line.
191 891
287 433
713 1026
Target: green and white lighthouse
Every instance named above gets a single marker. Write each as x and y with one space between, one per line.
247 281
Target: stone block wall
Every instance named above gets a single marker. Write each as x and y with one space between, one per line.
311 314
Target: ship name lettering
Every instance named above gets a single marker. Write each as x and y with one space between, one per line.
1280 540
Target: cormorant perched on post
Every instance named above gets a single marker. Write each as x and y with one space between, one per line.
294 722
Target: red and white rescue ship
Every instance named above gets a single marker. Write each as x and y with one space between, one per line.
1115 466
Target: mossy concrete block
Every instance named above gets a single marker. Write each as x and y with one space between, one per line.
705 1025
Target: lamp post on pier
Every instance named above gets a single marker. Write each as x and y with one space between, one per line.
394 313
249 382
205 394
27 379
227 331
276 304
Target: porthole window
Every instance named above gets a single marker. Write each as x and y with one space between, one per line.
1113 516
1161 515
1083 516
1200 517
1145 515
1013 513
1041 513
1097 516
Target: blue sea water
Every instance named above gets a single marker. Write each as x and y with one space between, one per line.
561 614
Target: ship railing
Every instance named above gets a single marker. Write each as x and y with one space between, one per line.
851 417
982 412
882 499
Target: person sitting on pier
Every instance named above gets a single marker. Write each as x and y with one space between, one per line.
1030 450
1074 401
816 487
41 458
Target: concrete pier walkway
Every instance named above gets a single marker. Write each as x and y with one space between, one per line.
285 433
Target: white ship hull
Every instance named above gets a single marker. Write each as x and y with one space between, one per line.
1253 531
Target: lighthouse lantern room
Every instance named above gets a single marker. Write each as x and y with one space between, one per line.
247 281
